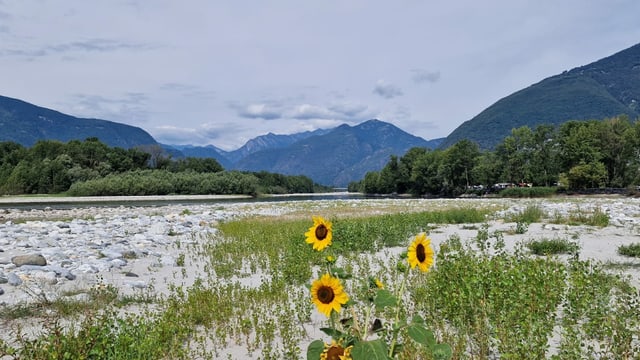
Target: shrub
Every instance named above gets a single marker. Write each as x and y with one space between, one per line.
632 250
552 246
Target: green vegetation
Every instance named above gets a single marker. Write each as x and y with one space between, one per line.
529 192
552 246
576 155
531 214
91 168
480 298
632 250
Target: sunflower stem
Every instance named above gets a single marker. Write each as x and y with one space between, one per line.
395 329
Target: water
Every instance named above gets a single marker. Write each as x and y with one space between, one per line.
151 201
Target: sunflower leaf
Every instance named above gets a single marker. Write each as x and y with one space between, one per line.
417 319
421 335
335 334
340 273
314 350
384 298
442 352
370 350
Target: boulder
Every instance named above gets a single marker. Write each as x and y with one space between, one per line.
31 259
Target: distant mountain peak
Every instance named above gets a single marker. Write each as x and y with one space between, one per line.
347 153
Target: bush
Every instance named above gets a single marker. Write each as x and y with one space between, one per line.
552 247
632 250
528 192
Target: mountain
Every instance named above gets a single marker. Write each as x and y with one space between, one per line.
342 155
26 123
208 151
606 88
270 141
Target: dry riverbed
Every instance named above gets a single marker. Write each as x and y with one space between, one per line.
49 253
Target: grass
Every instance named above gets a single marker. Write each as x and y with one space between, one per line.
484 301
552 246
632 250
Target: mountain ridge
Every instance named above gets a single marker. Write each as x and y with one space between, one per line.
604 88
25 123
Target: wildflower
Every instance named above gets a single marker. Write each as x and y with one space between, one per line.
328 294
331 259
319 234
375 283
378 283
420 253
335 351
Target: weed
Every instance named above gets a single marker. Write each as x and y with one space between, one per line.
632 250
552 246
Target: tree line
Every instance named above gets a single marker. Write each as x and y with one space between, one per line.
91 168
574 155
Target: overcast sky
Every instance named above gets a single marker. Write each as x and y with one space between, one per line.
222 72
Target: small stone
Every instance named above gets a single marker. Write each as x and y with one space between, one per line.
130 274
137 284
1 291
31 259
14 279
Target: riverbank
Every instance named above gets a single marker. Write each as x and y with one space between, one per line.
141 249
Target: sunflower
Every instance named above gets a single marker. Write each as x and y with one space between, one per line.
328 294
378 283
420 253
319 234
335 351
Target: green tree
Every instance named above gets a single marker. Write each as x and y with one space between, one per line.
427 176
459 161
591 175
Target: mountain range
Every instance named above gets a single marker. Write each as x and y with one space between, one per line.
25 124
606 88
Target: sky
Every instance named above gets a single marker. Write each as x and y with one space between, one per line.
213 72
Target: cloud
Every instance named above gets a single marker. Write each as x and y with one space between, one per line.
306 111
424 76
387 91
86 46
4 29
260 111
204 134
130 108
188 90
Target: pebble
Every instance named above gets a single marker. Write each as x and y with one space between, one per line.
45 254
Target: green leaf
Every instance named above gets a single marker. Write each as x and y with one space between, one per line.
340 273
421 335
370 350
442 352
314 350
384 298
335 334
417 319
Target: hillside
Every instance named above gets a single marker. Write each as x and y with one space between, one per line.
25 123
338 157
606 88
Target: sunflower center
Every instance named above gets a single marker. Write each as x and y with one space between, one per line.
420 254
326 295
321 232
334 352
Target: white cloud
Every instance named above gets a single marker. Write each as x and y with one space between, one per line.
422 76
387 91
